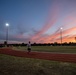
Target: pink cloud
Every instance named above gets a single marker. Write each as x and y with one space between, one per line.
52 20
53 37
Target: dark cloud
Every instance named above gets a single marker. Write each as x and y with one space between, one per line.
2 29
22 29
34 31
2 26
18 39
2 37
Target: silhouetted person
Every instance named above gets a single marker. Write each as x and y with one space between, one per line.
29 47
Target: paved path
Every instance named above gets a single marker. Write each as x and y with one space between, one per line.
41 55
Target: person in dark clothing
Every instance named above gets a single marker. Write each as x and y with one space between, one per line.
29 47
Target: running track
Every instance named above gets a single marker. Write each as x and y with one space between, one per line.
41 55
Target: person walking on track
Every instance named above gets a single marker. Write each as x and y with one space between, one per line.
29 47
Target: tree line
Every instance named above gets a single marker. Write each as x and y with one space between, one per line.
42 44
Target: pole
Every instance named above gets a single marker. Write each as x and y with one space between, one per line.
75 39
7 35
61 35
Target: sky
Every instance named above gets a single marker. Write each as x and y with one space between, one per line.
38 21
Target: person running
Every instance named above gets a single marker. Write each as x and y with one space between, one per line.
29 47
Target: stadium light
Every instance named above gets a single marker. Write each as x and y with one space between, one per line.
7 25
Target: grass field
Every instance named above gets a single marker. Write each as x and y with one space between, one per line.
10 65
61 49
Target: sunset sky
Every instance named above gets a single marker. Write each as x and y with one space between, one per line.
38 20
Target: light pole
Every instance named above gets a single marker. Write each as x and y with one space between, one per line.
7 25
61 34
75 39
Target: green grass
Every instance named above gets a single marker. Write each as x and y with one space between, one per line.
62 49
10 65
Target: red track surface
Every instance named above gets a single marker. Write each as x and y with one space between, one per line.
41 55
